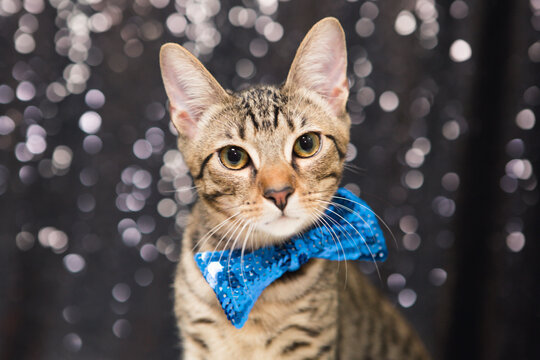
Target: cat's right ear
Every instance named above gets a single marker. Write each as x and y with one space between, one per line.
190 87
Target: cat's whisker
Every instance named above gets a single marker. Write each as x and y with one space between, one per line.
243 249
225 247
345 280
246 223
353 168
319 224
334 237
188 188
183 188
200 243
348 234
232 226
350 210
341 226
238 224
361 236
374 213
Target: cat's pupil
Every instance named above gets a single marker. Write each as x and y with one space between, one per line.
306 142
234 155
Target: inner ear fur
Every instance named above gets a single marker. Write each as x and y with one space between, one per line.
320 64
191 89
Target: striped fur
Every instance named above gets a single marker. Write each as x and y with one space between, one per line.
319 311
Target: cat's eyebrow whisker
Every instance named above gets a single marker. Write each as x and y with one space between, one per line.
200 243
374 213
361 236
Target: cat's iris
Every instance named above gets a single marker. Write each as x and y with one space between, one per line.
307 145
233 157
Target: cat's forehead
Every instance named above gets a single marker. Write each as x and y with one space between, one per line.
268 113
260 95
262 105
260 112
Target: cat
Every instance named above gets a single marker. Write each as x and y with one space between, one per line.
265 162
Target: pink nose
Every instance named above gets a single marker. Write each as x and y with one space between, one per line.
279 197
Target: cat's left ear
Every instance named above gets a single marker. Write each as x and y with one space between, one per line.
320 64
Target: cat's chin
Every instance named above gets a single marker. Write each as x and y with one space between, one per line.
282 227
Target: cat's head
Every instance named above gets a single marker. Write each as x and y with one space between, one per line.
268 157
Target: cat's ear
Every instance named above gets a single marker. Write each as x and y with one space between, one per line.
190 87
320 64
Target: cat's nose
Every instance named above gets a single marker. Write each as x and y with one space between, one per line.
279 197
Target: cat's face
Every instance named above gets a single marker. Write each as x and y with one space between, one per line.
268 158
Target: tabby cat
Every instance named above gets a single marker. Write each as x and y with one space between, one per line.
265 162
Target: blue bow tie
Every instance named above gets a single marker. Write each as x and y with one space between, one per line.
347 231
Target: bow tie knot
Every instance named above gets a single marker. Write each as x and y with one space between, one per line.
348 230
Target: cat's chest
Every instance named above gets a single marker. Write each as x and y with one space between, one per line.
273 327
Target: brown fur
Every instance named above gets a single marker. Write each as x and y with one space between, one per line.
308 314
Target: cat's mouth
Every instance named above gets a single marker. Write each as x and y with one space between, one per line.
282 226
283 218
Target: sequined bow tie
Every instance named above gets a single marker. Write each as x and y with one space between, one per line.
347 231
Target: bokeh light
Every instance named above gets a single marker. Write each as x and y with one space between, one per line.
95 196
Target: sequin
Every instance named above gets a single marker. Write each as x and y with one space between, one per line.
351 232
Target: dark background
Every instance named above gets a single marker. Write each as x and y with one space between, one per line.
445 149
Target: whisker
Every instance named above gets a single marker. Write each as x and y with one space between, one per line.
333 233
212 232
350 210
361 236
183 188
374 213
353 168
243 249
232 227
319 223
230 254
225 247
325 216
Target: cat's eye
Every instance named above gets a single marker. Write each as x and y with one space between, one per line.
307 145
234 157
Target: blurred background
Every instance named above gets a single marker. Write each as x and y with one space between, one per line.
93 200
